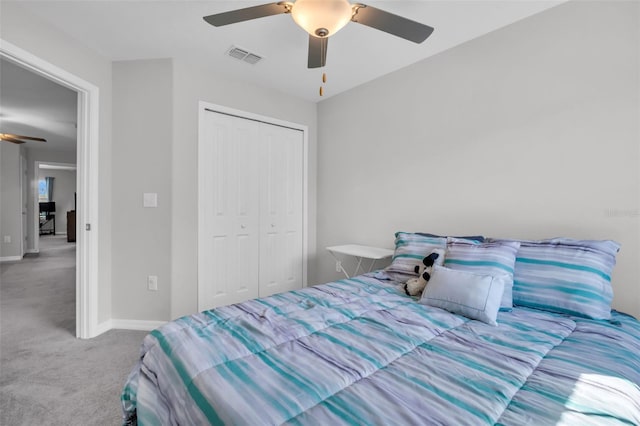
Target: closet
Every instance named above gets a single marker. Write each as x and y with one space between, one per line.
250 198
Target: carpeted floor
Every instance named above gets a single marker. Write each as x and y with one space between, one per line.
47 376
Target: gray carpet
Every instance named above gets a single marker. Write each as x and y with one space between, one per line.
47 376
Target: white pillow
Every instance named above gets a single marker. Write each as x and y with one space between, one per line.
488 258
476 296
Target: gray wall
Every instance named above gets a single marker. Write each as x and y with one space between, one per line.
30 33
64 188
142 137
528 132
10 211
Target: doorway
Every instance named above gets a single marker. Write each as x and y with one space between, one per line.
87 182
64 181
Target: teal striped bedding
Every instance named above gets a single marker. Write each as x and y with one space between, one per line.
560 277
359 351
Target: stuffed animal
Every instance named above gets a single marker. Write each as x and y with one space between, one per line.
414 286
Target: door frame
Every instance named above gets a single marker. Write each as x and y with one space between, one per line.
203 107
24 200
86 183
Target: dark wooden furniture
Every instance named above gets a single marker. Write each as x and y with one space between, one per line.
71 226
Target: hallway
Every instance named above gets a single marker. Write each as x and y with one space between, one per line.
47 376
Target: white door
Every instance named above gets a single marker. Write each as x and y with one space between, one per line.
228 235
250 236
281 209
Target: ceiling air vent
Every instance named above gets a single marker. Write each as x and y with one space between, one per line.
244 55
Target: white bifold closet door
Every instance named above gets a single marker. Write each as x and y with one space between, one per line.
250 210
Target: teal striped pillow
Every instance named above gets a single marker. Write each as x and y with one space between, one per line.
488 258
410 249
567 276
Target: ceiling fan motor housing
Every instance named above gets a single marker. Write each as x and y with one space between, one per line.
321 18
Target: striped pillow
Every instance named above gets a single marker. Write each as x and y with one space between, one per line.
567 276
488 258
410 249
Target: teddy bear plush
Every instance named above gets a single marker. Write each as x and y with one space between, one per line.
414 286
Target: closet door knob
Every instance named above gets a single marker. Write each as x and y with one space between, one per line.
243 226
273 225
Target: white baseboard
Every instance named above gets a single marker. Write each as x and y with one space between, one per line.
120 324
61 233
103 327
10 258
123 324
32 251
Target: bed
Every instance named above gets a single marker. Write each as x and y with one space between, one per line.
362 351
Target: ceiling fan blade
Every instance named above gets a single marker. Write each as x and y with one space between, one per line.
12 140
10 137
29 138
317 52
248 13
390 23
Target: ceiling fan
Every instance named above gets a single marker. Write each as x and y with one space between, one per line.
18 139
323 18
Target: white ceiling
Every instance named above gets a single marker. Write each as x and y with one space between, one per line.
31 105
124 30
127 30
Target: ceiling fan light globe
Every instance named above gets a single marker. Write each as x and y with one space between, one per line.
314 15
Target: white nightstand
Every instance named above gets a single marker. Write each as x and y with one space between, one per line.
360 253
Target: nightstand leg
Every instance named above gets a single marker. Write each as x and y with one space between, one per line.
339 261
373 262
358 267
343 271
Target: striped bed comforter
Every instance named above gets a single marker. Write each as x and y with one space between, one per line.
359 351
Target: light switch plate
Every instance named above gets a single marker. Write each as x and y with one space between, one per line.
152 282
150 199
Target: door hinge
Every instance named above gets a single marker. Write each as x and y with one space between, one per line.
87 227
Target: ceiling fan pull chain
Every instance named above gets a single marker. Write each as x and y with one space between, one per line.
324 79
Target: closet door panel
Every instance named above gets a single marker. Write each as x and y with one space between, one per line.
228 237
281 210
